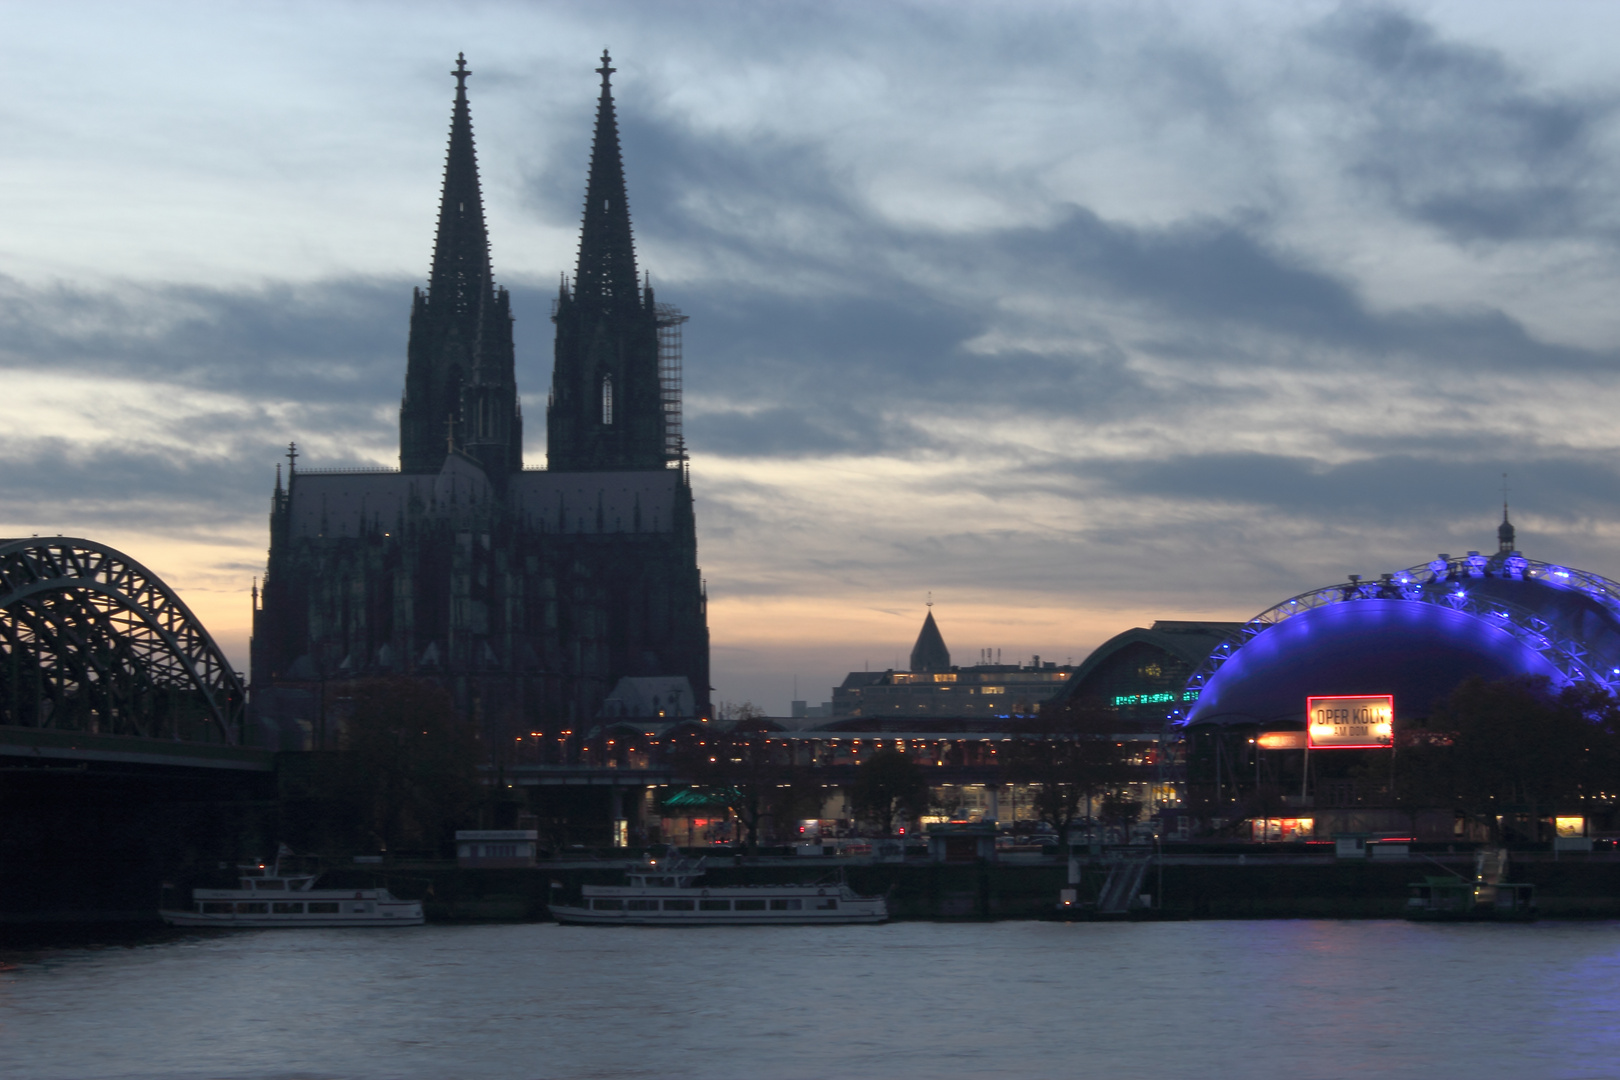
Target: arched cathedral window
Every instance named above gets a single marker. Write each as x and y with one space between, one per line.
607 399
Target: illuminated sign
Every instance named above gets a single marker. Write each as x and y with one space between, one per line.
1282 740
1153 699
1363 722
1288 828
1143 699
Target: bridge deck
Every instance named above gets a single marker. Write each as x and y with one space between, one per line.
44 744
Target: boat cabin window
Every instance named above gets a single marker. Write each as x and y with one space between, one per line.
794 904
323 907
362 909
611 903
248 907
714 905
214 907
282 907
678 905
750 905
641 905
826 903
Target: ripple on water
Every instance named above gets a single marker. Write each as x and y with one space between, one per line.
1015 999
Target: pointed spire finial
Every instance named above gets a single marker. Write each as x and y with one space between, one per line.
1505 538
292 457
930 598
606 69
461 73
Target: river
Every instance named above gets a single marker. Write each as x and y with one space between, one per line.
928 1000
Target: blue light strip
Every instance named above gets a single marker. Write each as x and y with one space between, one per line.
1419 583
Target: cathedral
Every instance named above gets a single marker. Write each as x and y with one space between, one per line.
530 593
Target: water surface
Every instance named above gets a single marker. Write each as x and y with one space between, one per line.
939 1001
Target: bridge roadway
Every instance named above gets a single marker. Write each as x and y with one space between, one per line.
28 747
664 776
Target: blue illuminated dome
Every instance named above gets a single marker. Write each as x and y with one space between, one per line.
1415 634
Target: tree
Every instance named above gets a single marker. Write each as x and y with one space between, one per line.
407 763
1070 756
888 785
750 771
1511 747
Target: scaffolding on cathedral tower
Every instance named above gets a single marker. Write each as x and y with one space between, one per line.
669 379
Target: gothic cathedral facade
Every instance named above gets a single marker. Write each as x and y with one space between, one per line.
529 593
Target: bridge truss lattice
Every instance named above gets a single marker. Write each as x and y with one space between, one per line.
92 641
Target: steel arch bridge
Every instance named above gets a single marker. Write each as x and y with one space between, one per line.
92 641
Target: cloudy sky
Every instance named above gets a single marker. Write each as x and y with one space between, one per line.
1076 315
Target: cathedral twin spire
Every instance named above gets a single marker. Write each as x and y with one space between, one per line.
606 273
461 272
460 385
607 407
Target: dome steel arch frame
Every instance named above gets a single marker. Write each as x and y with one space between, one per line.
1428 583
91 640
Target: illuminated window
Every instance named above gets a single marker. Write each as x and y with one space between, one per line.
946 677
607 399
993 690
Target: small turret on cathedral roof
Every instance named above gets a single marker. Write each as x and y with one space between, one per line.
1504 533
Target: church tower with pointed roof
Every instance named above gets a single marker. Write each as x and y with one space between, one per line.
460 386
930 653
607 411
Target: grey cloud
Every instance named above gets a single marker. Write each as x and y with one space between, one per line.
846 322
333 340
1456 137
1376 492
65 487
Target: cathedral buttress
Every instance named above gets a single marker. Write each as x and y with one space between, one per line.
460 386
606 411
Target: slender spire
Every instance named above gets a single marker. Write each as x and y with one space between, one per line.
460 388
461 272
1504 532
606 409
607 256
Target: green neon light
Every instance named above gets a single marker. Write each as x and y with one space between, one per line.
1153 699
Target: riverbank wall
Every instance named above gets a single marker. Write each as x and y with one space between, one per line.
1195 887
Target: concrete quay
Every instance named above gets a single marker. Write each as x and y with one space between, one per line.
1197 885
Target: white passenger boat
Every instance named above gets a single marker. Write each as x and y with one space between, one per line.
665 892
271 897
